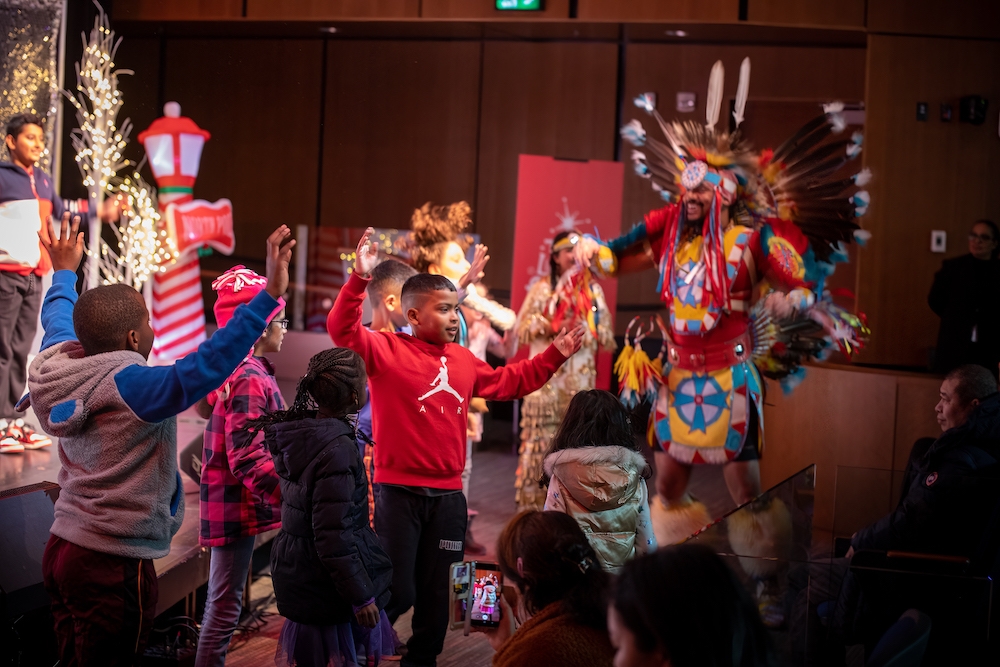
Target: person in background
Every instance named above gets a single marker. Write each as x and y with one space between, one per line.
385 293
566 297
27 199
240 497
966 296
951 488
683 607
562 601
596 474
952 485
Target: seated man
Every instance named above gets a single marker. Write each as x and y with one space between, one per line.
950 497
950 491
949 494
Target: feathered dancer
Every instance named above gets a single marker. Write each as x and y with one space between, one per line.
738 224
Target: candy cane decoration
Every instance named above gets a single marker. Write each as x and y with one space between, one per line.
173 144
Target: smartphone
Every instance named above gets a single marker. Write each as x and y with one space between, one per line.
486 590
475 595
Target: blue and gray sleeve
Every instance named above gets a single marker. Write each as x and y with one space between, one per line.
155 393
57 309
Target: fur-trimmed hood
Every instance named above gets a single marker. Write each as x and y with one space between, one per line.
599 478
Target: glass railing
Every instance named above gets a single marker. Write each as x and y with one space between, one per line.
822 608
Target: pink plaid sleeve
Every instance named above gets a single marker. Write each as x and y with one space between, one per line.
252 395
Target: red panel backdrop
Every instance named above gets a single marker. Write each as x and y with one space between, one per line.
553 195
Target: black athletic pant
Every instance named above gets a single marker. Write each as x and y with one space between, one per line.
20 298
423 536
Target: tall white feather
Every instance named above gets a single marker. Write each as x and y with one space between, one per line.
714 102
742 91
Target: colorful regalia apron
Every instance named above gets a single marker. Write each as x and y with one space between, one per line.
701 416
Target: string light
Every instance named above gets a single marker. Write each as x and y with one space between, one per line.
29 83
143 246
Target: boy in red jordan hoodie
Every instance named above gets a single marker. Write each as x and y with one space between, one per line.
421 386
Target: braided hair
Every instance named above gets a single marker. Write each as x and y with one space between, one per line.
334 382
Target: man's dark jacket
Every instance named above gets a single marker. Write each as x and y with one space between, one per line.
953 492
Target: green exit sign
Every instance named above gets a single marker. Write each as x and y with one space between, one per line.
520 5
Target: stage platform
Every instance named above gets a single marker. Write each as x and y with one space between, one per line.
185 568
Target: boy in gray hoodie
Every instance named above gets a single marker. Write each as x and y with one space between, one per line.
121 499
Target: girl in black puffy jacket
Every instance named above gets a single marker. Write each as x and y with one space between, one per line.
331 576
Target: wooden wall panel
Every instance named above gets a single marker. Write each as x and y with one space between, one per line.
846 418
292 10
486 9
787 85
808 12
177 10
927 175
916 398
260 99
543 99
658 10
140 91
958 18
400 129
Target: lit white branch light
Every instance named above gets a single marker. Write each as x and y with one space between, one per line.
144 247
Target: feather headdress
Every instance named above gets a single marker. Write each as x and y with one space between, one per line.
793 182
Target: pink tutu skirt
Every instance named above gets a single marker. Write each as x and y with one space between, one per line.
343 645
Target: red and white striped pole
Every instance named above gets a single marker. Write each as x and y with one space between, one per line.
173 144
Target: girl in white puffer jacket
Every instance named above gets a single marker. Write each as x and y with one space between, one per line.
596 474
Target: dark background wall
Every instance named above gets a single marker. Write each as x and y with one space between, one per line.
416 100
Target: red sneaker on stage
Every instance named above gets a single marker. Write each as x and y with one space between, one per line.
8 444
18 431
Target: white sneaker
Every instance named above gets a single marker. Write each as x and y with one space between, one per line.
9 444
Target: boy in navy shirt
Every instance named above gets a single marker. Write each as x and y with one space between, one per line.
27 199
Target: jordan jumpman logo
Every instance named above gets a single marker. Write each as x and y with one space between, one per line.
440 383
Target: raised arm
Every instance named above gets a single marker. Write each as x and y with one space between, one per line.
344 321
66 252
636 250
158 392
516 380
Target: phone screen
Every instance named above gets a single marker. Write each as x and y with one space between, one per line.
486 591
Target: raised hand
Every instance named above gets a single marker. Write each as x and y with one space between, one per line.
66 251
279 254
366 257
568 343
585 250
475 272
